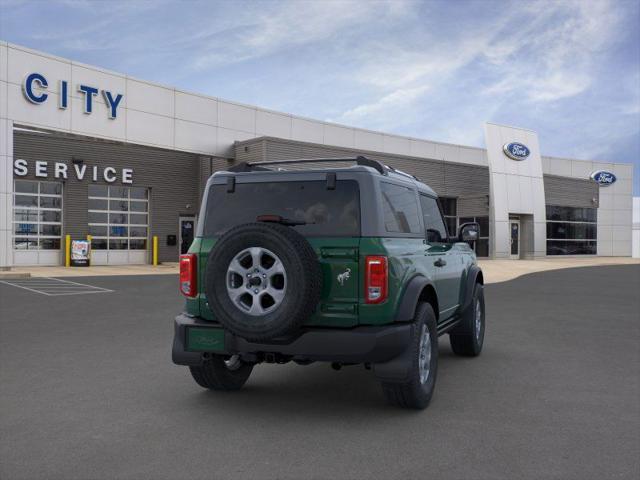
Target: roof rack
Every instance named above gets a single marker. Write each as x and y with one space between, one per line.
400 172
359 160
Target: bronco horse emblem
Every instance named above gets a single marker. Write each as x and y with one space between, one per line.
344 276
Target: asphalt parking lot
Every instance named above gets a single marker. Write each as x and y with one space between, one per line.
88 390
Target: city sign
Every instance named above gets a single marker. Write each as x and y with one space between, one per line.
35 87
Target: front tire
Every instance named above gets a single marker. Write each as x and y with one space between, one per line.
418 390
467 339
219 374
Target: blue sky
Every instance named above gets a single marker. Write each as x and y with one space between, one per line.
438 70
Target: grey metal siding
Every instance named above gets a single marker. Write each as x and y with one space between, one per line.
171 176
446 178
473 206
570 192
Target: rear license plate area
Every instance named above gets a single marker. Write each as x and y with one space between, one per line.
205 339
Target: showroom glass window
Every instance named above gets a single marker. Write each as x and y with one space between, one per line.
481 246
449 206
37 215
118 217
571 230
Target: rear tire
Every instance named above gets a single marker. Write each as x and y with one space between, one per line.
467 339
215 375
418 390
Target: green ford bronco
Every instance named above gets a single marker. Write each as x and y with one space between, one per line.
348 265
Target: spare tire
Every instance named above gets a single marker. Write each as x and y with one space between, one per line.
262 280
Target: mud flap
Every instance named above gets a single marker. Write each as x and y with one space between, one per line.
397 369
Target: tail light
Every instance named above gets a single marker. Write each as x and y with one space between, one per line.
188 275
376 279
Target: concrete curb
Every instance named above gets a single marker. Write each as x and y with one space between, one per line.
13 275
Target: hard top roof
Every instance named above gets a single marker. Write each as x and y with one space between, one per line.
362 164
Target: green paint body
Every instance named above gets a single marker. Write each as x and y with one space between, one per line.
342 304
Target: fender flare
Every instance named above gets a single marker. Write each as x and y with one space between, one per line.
472 278
409 302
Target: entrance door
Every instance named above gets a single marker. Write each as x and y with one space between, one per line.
515 239
187 233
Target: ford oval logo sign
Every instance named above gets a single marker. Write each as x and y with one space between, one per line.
603 178
516 151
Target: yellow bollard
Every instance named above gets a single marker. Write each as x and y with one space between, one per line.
67 250
155 251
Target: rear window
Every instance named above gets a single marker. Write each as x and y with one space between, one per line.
327 212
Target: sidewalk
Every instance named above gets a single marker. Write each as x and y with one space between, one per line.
494 270
504 270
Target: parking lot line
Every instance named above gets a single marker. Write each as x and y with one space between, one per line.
54 287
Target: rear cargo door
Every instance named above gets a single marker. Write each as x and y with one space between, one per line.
338 259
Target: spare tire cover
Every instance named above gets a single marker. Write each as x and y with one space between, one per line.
262 280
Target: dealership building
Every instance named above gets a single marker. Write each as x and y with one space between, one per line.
89 152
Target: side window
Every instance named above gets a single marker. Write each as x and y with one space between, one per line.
400 209
433 223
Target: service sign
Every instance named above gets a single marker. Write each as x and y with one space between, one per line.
516 151
603 178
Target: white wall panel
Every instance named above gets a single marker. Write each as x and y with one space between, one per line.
150 98
3 99
236 117
100 79
560 166
337 135
397 145
272 124
622 202
306 130
622 217
605 248
605 217
367 140
97 123
580 169
3 61
196 136
622 249
422 148
621 233
448 153
546 165
471 156
148 128
195 108
540 239
46 114
21 63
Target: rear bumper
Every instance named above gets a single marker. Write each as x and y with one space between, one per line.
354 345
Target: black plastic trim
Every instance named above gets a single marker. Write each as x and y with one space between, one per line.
407 308
354 345
472 276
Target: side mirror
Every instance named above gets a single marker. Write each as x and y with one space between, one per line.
469 232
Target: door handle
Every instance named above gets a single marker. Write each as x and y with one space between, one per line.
440 263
